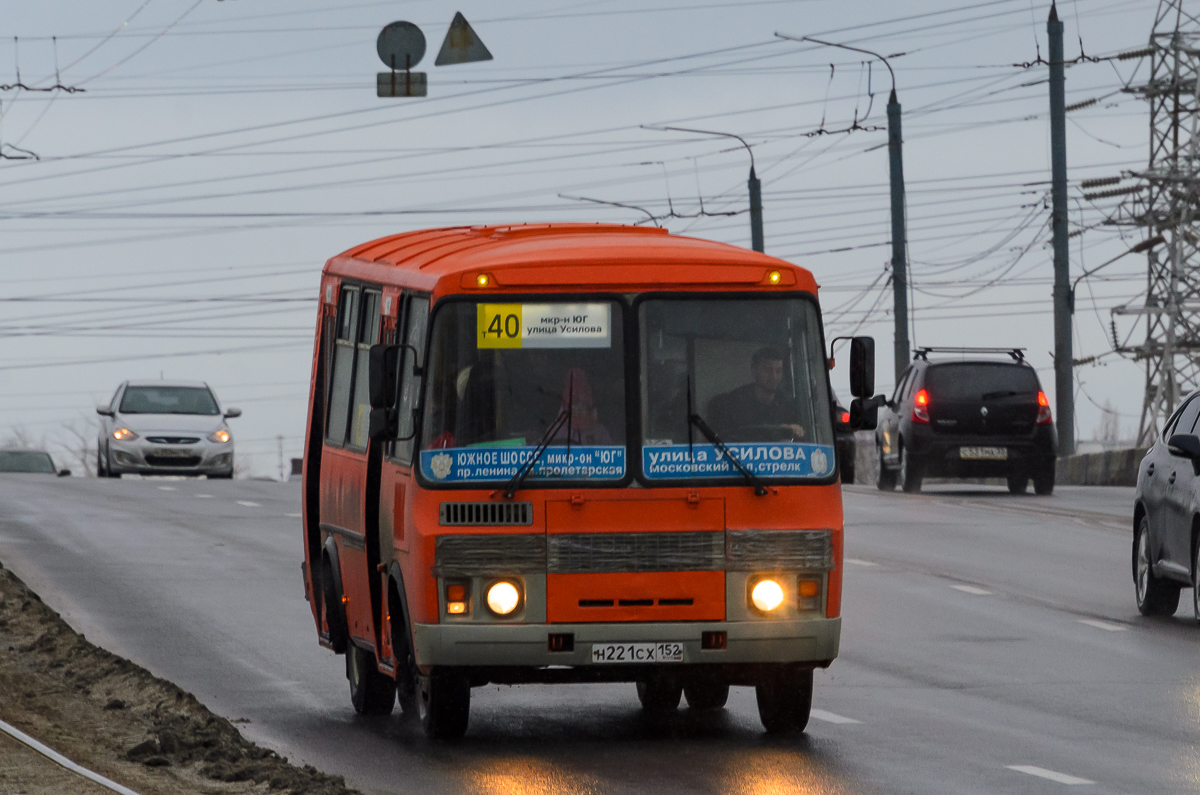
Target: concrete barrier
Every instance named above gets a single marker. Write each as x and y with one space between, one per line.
1110 468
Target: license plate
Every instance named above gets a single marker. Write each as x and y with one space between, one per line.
637 652
172 453
985 453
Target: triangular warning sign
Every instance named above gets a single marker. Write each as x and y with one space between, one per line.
461 44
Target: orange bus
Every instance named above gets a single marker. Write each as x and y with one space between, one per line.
573 453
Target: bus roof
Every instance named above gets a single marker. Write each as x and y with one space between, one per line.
535 255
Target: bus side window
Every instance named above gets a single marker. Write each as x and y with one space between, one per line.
410 385
343 367
368 335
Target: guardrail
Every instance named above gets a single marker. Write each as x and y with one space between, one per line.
1109 468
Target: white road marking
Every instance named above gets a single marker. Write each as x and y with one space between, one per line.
248 504
204 496
1041 772
858 562
971 589
1105 625
293 515
830 717
166 488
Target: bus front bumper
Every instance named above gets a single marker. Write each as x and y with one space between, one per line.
809 641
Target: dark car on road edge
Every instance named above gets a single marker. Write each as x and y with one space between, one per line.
977 416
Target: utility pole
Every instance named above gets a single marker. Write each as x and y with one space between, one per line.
901 344
1064 387
753 184
756 230
899 232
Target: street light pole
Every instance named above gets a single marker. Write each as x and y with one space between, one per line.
899 231
753 184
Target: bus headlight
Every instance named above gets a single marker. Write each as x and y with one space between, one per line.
503 598
766 595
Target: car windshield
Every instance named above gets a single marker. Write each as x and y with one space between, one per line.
25 461
505 378
752 370
168 400
979 380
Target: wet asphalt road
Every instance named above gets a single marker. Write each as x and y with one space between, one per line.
990 644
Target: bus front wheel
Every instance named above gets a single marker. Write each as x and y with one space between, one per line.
784 700
444 702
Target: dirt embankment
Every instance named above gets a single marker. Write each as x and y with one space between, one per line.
115 718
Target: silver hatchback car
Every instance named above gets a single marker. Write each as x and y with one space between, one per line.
164 428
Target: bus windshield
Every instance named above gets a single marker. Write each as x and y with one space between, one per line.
750 371
506 379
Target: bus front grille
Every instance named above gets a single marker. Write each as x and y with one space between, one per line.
633 552
485 514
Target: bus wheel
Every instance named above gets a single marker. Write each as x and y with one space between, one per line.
444 701
706 695
332 607
784 701
660 694
371 692
406 667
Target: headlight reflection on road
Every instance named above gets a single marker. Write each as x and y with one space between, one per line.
529 776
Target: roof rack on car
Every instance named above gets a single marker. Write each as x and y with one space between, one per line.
1017 354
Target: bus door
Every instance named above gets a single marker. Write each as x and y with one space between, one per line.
412 315
344 458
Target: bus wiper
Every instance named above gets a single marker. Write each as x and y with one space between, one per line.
697 421
510 490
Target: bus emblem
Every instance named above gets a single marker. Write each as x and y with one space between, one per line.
440 465
818 461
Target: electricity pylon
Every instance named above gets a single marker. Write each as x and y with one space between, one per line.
1166 202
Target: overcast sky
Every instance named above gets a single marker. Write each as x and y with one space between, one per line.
226 149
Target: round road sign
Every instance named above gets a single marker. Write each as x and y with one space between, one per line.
401 45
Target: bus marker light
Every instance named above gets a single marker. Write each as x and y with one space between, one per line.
503 598
482 280
456 608
766 595
810 594
456 593
774 277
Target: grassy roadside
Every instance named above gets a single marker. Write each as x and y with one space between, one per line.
115 718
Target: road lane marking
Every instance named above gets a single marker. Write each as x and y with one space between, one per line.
971 589
1041 772
166 488
858 562
293 515
1105 625
830 717
204 496
249 504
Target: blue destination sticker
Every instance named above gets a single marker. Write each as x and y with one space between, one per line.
478 464
768 459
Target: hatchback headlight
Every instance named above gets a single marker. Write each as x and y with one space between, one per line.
220 435
124 435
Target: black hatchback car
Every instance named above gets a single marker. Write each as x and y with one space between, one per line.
972 417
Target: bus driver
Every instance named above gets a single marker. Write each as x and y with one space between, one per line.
757 404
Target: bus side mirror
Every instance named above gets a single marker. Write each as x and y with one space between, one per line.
381 376
864 412
862 367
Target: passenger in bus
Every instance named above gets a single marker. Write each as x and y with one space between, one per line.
585 426
757 404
